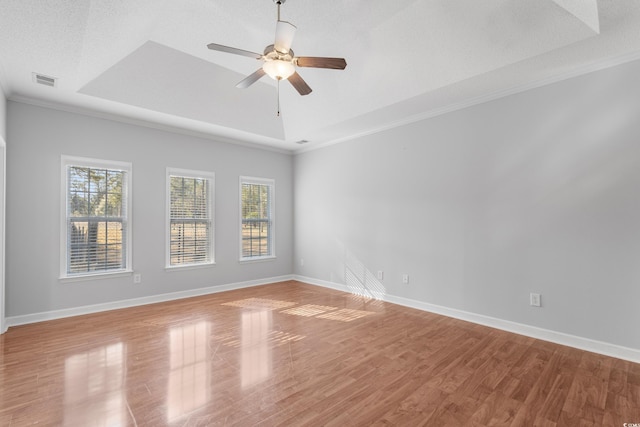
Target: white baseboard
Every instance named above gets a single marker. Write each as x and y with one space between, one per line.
607 349
135 302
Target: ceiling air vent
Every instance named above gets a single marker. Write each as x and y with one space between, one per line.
44 80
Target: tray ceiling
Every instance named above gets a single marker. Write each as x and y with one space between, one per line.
147 60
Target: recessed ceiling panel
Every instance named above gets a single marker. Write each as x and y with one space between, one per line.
432 44
159 78
585 10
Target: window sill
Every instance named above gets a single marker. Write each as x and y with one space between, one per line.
257 259
96 276
188 266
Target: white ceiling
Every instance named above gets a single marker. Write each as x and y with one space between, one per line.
147 60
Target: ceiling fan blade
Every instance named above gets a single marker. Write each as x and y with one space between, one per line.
221 48
319 62
284 36
301 86
251 79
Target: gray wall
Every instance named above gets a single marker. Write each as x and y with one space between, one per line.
37 137
535 192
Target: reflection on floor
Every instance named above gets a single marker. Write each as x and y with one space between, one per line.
309 310
94 387
255 351
306 310
260 304
345 315
189 375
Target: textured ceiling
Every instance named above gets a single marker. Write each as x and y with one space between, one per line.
147 59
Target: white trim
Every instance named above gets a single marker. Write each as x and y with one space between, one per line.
487 97
258 259
136 302
561 338
3 83
3 204
95 276
175 129
189 266
272 216
189 173
127 167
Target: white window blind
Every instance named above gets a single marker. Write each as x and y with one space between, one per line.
257 215
190 195
96 231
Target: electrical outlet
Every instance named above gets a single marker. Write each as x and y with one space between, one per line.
405 279
137 278
380 275
535 300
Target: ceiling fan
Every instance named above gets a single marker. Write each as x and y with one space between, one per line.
279 61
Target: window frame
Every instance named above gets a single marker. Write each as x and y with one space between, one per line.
74 161
189 173
272 218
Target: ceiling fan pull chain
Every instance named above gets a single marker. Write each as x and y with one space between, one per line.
278 84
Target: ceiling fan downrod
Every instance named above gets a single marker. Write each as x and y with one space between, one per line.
279 2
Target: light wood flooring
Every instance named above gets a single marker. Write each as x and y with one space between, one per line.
295 354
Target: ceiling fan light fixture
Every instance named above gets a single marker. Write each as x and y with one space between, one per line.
279 69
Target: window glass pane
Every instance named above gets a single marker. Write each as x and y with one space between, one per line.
256 220
97 192
189 197
114 205
95 246
189 242
78 191
114 193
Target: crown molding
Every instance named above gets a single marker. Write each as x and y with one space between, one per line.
491 96
143 123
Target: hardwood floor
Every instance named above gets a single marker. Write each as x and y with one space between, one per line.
294 354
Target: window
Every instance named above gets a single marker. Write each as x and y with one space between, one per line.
257 217
190 213
96 235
